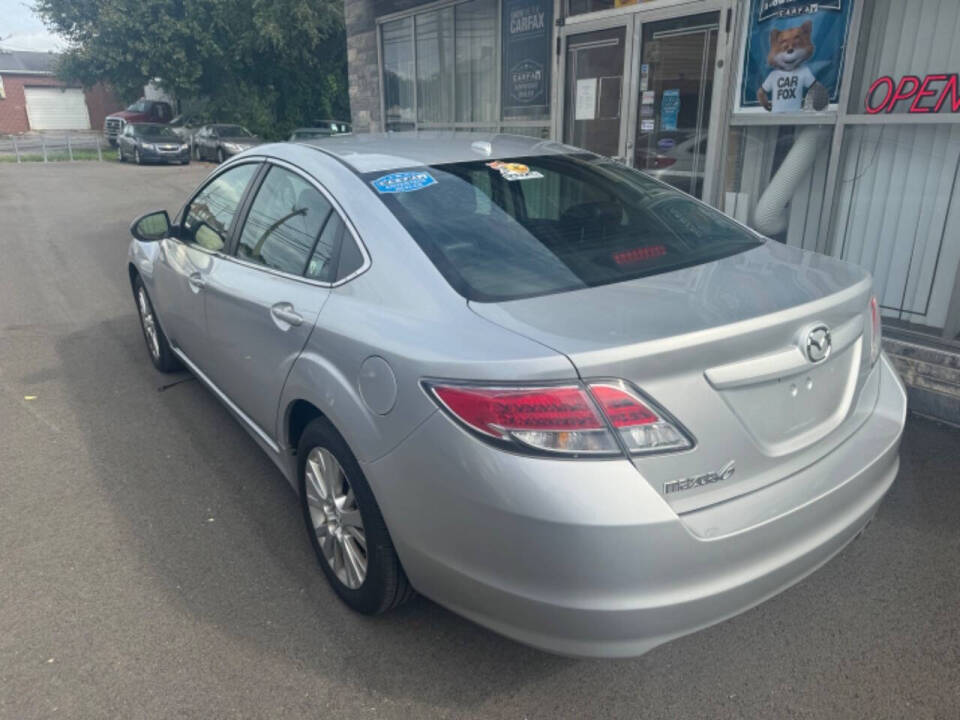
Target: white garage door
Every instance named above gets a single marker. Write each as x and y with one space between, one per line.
50 108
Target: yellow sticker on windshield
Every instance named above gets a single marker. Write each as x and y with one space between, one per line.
514 171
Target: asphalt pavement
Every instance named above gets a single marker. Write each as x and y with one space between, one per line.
153 563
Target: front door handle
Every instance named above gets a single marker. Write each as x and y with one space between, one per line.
196 281
284 312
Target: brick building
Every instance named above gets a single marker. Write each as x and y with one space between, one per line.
33 98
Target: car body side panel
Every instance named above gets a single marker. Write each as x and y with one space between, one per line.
359 321
251 350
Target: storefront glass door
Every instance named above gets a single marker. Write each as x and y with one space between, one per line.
641 88
594 88
677 64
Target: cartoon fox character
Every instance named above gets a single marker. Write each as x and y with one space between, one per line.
784 88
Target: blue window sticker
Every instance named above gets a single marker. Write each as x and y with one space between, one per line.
402 182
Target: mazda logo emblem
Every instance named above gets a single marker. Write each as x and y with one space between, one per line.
817 345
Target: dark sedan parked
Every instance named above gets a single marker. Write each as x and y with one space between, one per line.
151 142
219 142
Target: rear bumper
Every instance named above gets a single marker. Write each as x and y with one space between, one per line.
584 558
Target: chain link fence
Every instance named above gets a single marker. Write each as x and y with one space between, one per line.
55 146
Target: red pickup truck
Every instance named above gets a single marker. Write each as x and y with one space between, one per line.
143 110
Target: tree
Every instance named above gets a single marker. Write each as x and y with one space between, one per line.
269 64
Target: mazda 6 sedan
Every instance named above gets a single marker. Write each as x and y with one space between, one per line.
549 392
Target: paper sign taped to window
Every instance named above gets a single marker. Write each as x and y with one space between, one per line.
586 101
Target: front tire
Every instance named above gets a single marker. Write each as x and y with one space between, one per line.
220 157
158 347
136 156
344 524
120 156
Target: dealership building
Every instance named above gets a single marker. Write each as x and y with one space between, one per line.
832 126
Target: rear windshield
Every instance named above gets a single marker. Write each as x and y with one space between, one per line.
160 131
539 225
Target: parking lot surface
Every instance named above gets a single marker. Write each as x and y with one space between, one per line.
153 561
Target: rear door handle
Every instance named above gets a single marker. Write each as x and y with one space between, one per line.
284 312
196 281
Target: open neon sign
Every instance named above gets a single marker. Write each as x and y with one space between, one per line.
884 93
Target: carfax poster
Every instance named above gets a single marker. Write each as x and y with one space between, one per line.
527 26
793 55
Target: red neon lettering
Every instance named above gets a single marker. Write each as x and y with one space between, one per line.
882 80
901 93
952 87
915 106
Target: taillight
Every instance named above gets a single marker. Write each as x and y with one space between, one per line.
561 419
556 419
642 428
876 330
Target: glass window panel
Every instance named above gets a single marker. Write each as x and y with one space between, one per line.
476 71
900 38
398 74
322 263
435 66
208 219
283 223
775 180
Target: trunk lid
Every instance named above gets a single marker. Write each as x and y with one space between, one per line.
722 347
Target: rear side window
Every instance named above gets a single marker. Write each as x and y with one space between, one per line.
501 230
207 220
323 261
284 222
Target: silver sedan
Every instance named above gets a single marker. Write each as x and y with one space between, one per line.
549 392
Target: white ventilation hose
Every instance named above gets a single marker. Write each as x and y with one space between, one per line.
770 215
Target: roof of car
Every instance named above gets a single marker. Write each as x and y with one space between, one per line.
376 152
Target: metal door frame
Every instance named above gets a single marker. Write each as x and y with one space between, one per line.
581 28
632 18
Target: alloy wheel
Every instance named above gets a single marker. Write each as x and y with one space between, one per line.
335 517
149 323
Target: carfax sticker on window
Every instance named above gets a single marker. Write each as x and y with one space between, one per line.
514 171
402 182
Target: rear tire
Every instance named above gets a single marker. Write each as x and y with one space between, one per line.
339 509
158 347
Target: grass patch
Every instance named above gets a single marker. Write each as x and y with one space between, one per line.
83 154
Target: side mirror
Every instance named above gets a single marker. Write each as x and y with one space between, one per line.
151 227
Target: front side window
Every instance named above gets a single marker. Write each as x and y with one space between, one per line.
211 212
532 226
283 224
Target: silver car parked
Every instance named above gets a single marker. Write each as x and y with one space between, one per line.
549 392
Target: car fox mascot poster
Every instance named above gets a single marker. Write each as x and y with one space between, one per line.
793 55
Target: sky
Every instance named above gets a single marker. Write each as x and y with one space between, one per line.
21 29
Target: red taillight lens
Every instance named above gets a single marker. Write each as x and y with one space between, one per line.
622 409
561 419
493 410
875 330
642 428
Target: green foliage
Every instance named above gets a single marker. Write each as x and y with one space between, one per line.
271 65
